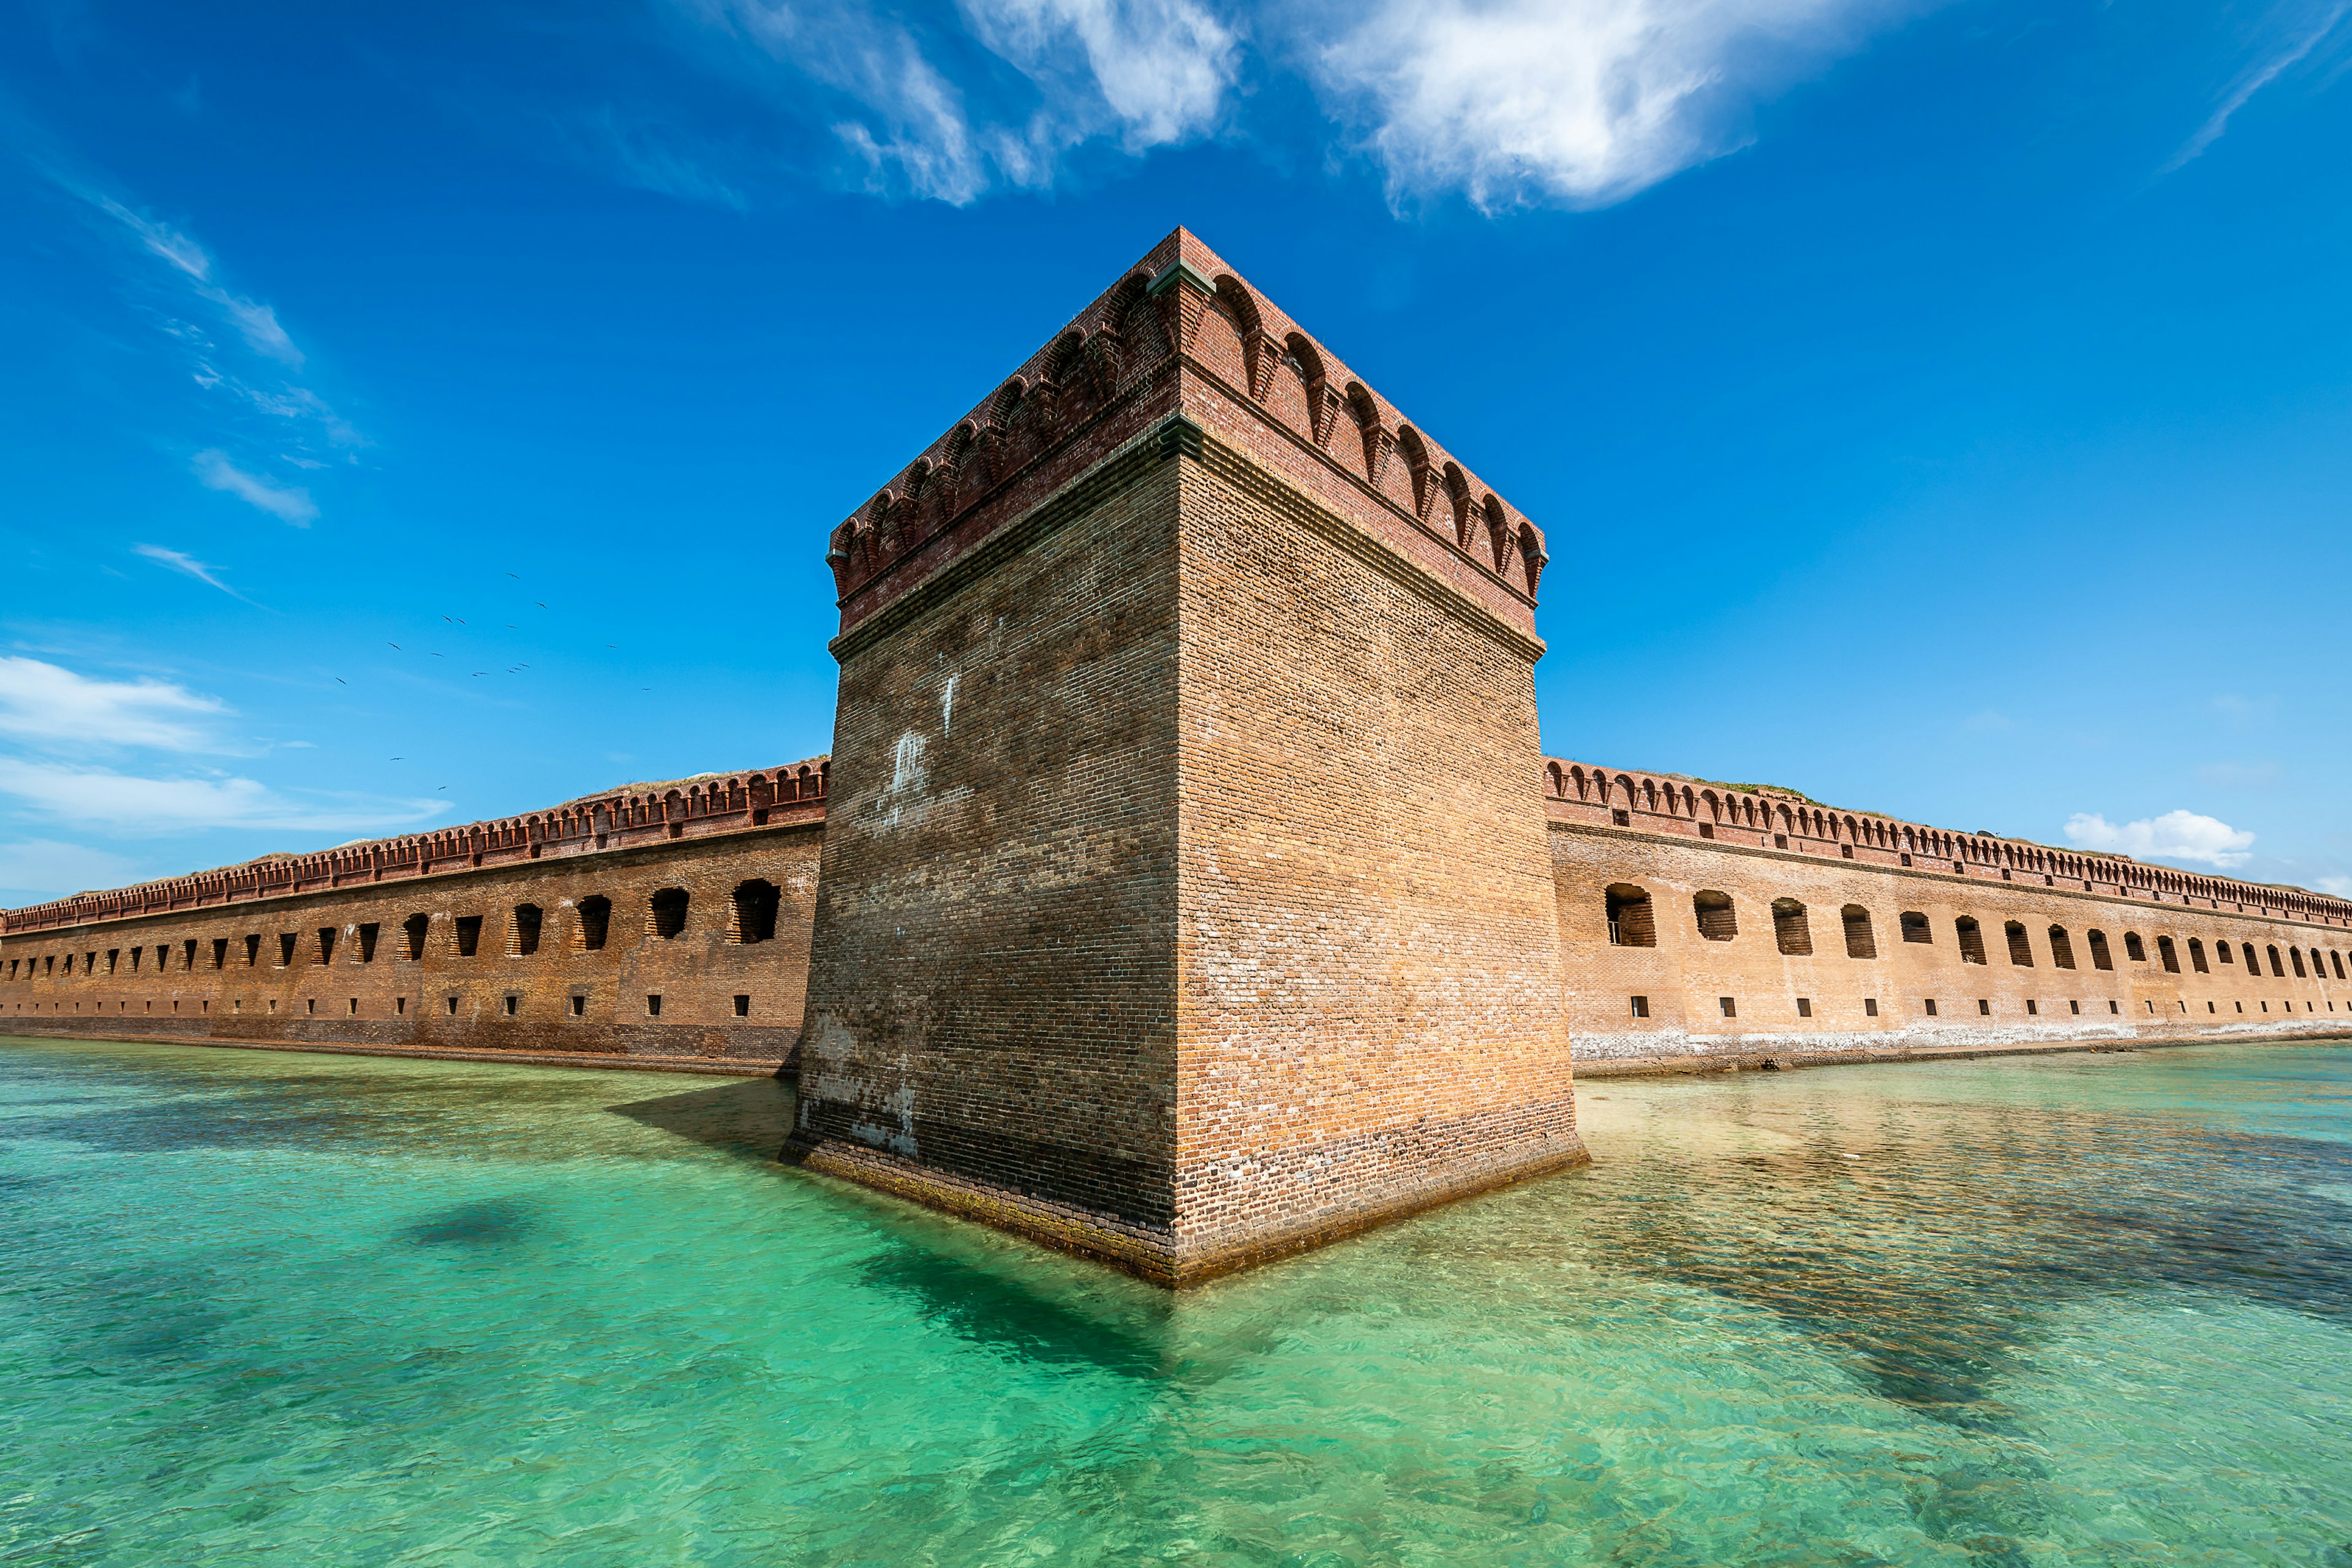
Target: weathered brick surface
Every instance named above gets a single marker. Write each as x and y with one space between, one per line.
992 994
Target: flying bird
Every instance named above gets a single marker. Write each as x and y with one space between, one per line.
517 576
395 759
536 602
394 645
340 681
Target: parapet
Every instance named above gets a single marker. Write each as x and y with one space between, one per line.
1178 332
1670 803
700 806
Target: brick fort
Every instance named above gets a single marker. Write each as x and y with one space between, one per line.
1186 885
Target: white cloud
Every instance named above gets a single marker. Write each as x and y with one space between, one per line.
1159 69
1511 101
1144 73
1504 102
2339 886
288 503
44 869
2175 835
187 565
128 805
44 702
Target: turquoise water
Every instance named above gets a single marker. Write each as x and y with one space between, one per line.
264 1308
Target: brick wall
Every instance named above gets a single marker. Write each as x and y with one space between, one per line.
154 976
1368 943
2129 970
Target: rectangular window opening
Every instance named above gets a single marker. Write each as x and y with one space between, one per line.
1870 1006
511 1003
1804 1006
1931 1007
451 1002
743 1006
1730 1007
579 1006
2032 1008
1984 1009
653 1005
1641 1006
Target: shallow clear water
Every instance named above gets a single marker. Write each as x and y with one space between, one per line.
265 1308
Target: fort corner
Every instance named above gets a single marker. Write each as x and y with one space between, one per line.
1186 897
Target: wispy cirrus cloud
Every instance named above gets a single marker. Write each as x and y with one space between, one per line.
288 503
51 705
256 322
186 565
233 347
2283 57
46 868
130 805
2175 835
929 113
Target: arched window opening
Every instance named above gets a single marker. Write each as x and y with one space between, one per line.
595 917
755 910
326 935
2021 949
2061 948
412 936
2100 957
2254 964
1716 922
2133 949
2197 955
2169 953
2278 970
666 912
468 929
524 938
1790 931
2337 960
1971 935
2295 954
1861 941
1633 921
1915 927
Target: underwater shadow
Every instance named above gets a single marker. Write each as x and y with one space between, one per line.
1001 1314
752 1117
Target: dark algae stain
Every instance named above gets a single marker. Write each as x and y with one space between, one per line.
496 1222
1927 1262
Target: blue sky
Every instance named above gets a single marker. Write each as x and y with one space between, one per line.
420 413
